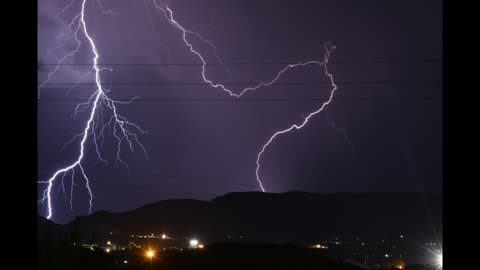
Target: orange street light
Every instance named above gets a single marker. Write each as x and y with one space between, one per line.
150 254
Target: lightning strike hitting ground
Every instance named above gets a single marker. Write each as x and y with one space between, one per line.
328 50
168 14
123 129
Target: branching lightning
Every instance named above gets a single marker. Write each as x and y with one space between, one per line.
328 50
168 14
342 131
123 129
126 132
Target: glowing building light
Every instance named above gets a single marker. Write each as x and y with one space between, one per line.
193 243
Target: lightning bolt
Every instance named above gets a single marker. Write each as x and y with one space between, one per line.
123 129
328 50
342 131
126 131
105 12
168 14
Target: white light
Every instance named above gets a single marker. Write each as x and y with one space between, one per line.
164 236
440 260
193 243
125 261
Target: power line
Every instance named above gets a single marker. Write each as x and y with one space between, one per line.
251 83
254 99
170 178
379 61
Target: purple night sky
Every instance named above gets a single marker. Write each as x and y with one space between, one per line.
387 65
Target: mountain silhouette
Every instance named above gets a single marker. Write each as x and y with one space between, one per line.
277 217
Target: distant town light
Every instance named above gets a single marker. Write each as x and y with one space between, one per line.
386 255
125 261
193 243
107 250
150 254
164 236
201 246
109 243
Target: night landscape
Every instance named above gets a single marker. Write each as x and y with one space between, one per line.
228 134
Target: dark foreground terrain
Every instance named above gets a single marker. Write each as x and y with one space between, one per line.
61 255
359 228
